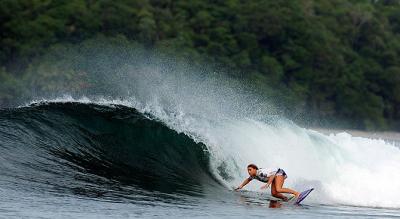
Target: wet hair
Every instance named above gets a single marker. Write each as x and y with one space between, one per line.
252 166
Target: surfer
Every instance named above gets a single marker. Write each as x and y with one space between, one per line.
275 177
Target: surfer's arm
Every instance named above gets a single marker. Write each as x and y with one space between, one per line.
270 179
245 182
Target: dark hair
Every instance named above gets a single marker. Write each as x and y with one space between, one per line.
252 166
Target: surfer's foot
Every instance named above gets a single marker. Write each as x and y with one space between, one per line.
297 194
291 198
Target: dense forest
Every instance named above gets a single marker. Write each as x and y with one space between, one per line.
338 58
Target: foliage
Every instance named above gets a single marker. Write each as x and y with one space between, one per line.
337 59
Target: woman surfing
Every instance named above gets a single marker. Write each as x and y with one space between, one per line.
274 177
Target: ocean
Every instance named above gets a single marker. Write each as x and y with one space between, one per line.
84 158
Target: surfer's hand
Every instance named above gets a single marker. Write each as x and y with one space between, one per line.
265 186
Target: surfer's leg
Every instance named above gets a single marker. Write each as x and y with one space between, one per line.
275 193
279 180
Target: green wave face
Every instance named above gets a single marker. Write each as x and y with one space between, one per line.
101 151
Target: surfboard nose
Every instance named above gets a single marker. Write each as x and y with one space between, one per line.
303 195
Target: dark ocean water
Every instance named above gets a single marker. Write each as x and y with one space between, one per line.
79 160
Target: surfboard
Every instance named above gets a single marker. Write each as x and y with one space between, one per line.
303 195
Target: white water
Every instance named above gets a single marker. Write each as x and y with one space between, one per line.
240 128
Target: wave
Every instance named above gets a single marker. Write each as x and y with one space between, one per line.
165 127
83 147
118 148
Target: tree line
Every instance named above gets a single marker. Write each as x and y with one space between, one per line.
338 59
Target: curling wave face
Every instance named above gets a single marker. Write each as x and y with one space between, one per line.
99 151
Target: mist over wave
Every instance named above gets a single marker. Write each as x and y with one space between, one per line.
228 125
